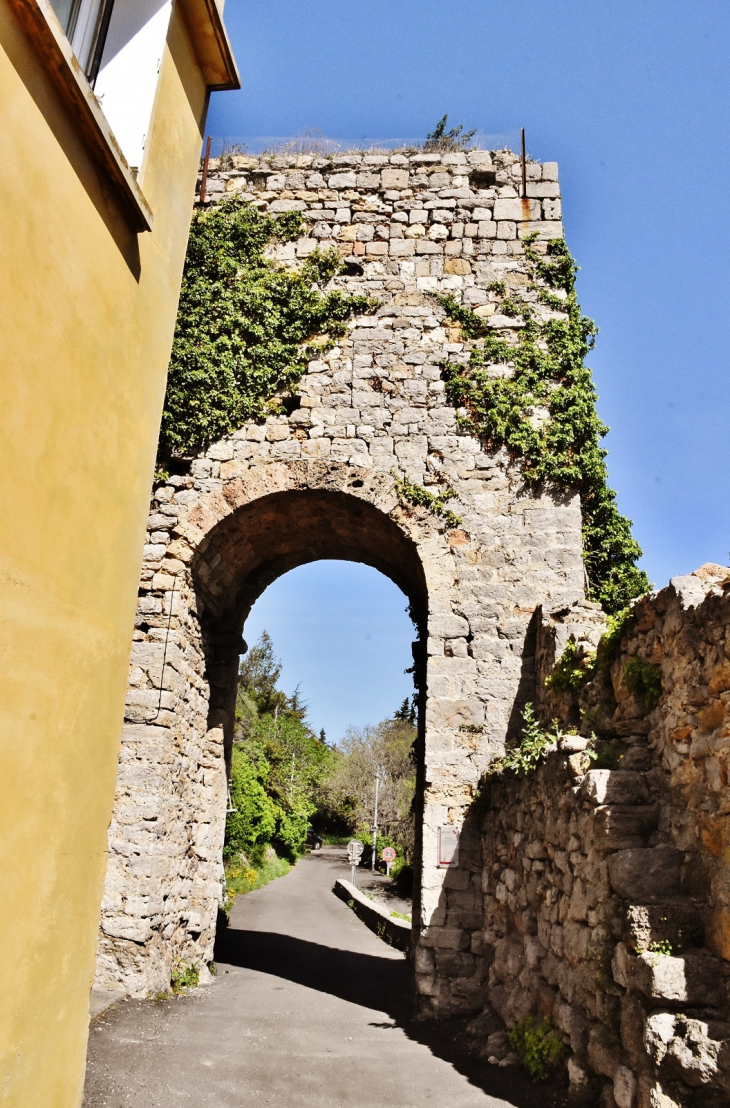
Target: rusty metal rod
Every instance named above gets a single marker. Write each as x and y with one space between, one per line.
206 159
524 166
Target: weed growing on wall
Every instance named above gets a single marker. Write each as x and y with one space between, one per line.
644 680
525 756
246 327
435 502
571 671
536 397
537 1046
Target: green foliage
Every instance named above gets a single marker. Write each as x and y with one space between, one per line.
605 754
570 672
417 494
258 673
661 946
538 1046
278 768
525 757
385 751
644 680
253 823
608 647
407 711
440 140
242 878
402 873
507 384
245 326
185 975
401 915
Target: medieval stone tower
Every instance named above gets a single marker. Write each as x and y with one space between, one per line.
322 482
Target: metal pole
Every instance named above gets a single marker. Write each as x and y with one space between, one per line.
524 166
204 181
375 824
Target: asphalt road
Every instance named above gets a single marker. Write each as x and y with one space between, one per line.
309 1010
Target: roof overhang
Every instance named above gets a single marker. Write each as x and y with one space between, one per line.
211 44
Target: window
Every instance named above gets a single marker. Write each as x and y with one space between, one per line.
86 23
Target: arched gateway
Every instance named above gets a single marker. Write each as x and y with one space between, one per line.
327 481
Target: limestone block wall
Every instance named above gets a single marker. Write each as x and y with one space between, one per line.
606 883
319 482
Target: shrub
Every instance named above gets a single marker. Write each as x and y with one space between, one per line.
644 680
538 1047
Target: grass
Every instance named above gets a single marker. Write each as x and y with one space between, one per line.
242 878
400 915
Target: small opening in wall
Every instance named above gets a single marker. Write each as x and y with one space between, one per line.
258 180
144 628
353 269
358 484
179 467
290 403
483 179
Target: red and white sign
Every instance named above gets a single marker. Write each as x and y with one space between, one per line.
448 846
388 854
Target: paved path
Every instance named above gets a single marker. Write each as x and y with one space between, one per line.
309 1010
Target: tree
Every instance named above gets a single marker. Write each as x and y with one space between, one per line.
279 766
385 751
440 140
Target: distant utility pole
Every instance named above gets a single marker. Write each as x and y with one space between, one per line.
375 824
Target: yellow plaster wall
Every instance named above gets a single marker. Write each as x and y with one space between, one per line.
86 325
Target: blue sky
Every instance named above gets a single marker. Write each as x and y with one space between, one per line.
632 100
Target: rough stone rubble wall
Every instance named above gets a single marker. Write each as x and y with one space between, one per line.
410 227
587 869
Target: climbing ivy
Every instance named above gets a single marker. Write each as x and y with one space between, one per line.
435 502
536 397
246 326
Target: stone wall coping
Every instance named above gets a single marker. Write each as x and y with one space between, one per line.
396 932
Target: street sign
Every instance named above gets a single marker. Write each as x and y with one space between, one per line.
354 854
388 854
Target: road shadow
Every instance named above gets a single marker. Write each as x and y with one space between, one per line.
383 984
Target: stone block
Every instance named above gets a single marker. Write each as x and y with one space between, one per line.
625 1087
543 189
691 1049
517 210
546 229
621 827
645 873
695 979
457 265
342 181
609 786
394 179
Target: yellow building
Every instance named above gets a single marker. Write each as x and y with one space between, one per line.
96 192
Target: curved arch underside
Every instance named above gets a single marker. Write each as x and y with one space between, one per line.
253 546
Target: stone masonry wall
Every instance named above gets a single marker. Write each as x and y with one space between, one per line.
607 882
319 483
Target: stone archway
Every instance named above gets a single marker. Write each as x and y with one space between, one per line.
369 412
225 545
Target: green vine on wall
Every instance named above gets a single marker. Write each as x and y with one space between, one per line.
435 502
246 326
536 397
